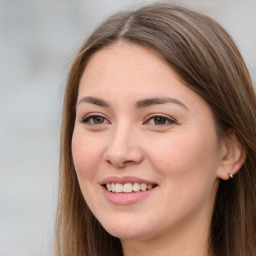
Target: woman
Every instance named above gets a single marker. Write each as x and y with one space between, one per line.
158 147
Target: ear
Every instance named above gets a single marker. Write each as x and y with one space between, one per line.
233 155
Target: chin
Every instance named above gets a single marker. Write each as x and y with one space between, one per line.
126 234
126 230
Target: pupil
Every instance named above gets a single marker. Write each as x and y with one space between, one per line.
98 120
159 120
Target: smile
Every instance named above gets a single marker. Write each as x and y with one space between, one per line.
127 190
128 187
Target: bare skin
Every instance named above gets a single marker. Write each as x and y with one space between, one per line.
135 118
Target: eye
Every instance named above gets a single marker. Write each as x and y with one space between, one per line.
94 120
160 120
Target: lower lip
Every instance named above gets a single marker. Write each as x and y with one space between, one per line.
126 198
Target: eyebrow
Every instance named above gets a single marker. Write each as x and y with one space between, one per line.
155 101
93 100
139 104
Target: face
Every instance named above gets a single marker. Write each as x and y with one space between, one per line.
144 145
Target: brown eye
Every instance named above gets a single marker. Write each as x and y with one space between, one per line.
159 120
98 120
95 120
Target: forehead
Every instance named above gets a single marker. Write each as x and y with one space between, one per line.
127 66
128 72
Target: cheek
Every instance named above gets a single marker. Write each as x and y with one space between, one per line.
86 154
191 155
187 165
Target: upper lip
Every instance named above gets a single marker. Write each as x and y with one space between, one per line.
126 179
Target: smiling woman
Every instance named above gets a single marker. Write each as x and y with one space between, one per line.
158 144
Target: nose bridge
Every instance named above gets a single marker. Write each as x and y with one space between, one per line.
122 135
123 147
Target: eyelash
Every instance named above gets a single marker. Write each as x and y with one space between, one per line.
89 117
89 120
166 119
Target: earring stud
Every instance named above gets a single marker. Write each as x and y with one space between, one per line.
230 175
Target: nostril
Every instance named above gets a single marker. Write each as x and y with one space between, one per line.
116 164
121 165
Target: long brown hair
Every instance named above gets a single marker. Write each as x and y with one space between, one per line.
207 60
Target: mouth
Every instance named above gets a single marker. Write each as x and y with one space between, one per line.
127 190
128 187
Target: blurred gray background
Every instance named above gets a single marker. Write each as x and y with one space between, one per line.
38 40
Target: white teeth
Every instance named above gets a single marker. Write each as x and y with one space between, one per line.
143 187
149 186
119 188
128 187
136 187
108 186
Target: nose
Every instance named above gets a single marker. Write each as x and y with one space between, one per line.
123 148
